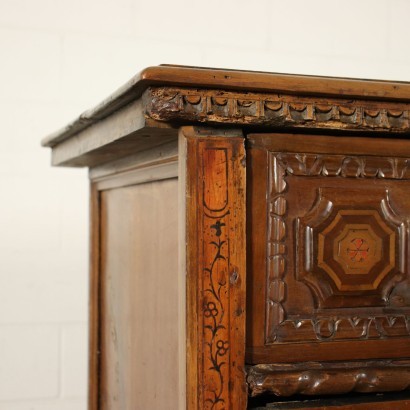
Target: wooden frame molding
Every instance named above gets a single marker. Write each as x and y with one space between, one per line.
215 212
94 299
329 378
275 110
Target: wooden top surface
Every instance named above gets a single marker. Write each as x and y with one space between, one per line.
223 79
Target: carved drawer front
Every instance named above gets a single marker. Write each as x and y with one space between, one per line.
328 250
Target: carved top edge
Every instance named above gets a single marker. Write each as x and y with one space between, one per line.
275 110
231 80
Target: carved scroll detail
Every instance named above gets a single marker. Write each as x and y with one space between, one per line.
276 286
184 104
329 378
281 327
314 165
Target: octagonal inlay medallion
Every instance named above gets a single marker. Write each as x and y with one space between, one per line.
356 242
350 253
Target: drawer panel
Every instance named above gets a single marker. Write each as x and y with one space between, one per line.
328 250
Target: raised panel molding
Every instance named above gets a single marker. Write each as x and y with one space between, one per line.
348 252
349 257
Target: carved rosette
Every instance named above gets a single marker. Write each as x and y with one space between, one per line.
350 256
274 110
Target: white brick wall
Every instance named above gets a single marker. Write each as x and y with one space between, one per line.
57 58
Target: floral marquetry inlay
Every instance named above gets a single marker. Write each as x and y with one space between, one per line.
215 271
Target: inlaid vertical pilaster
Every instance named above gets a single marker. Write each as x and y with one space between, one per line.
215 230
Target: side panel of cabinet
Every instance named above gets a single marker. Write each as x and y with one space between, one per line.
138 336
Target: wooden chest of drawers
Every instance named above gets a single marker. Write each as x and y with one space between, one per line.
250 241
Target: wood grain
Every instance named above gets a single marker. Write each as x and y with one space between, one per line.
315 379
140 337
321 242
232 80
389 401
312 299
278 111
124 132
347 143
94 300
394 348
215 203
162 154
